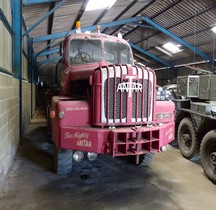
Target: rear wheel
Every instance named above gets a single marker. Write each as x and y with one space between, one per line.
63 161
208 155
187 139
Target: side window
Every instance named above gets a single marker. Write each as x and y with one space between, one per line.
124 56
117 52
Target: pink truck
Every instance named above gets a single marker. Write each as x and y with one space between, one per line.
106 105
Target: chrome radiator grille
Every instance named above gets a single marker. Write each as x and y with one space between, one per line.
127 94
115 103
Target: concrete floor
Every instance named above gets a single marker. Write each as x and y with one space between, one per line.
171 182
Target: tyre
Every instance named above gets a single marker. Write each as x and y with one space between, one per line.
208 155
63 161
187 139
143 160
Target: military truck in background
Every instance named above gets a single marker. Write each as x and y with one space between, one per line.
196 120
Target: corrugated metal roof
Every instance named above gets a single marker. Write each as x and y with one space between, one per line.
188 19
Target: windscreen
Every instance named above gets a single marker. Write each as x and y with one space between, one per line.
117 53
84 51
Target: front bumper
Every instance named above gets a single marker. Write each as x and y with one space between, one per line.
122 141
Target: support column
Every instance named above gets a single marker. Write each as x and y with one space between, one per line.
17 53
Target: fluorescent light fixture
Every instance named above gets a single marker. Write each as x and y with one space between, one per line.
171 47
142 58
99 4
213 29
164 51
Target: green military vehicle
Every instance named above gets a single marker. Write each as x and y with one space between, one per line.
196 120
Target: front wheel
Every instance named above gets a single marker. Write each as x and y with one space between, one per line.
187 139
63 161
208 155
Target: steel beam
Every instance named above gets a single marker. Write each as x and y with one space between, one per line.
30 57
181 41
16 7
49 60
6 23
124 11
187 35
47 52
156 15
136 14
89 28
182 21
43 18
151 55
17 38
33 2
49 46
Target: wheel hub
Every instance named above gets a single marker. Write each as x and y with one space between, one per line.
213 158
186 139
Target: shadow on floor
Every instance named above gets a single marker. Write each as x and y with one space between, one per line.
37 147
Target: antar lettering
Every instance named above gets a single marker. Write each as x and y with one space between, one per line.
129 86
84 143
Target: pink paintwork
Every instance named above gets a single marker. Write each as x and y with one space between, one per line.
109 108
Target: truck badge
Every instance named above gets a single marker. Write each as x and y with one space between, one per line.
129 86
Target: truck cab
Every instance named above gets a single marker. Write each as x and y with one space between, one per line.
84 52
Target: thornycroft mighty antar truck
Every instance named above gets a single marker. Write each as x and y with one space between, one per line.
106 105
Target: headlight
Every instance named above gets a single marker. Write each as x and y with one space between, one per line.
78 156
164 115
92 156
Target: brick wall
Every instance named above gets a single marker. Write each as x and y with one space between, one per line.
9 118
9 97
26 105
9 122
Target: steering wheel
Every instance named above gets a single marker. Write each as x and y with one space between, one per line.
85 58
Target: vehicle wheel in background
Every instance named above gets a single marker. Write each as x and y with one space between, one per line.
208 155
187 139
